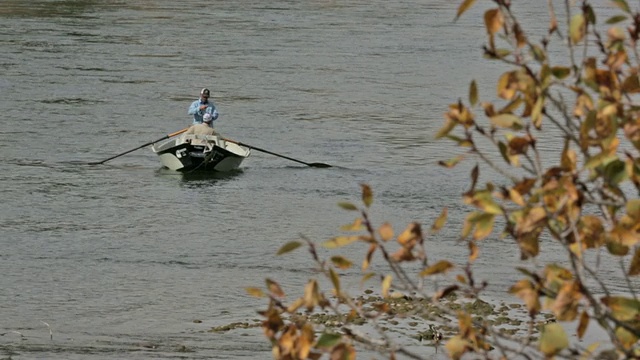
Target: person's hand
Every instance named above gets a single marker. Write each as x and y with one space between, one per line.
202 107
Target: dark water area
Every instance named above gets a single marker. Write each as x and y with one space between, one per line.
127 260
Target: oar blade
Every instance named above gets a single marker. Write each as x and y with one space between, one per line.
320 165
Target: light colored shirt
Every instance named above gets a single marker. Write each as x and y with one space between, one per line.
200 129
194 109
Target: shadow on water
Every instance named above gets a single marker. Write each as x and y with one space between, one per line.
198 178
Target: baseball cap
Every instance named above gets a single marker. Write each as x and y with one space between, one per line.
204 92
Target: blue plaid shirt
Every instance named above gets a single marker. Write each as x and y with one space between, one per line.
194 110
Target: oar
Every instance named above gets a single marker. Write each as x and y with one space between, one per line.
318 165
140 147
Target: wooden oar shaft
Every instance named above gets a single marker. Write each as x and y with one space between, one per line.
140 147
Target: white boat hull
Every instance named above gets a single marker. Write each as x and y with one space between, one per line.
189 153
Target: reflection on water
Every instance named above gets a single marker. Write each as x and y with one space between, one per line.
198 178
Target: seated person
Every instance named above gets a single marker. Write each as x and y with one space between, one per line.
204 128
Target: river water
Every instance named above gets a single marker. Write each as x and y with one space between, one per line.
125 260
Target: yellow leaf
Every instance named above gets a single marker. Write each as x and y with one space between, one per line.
295 306
493 21
339 241
484 227
367 195
622 308
633 208
386 232
335 279
255 292
473 251
484 201
450 162
355 226
440 221
515 196
274 288
457 346
582 324
507 121
305 340
366 277
386 284
367 259
438 268
553 339
410 234
446 129
577 28
287 339
525 290
312 295
464 6
625 337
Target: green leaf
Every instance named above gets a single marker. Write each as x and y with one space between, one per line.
560 72
473 93
553 339
290 246
616 19
341 262
507 121
328 340
615 172
347 206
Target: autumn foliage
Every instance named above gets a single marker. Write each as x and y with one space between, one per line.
584 199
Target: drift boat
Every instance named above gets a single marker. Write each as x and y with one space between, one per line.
189 153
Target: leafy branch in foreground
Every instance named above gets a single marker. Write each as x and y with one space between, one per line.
582 199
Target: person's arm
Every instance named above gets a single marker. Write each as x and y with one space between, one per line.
193 108
212 110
